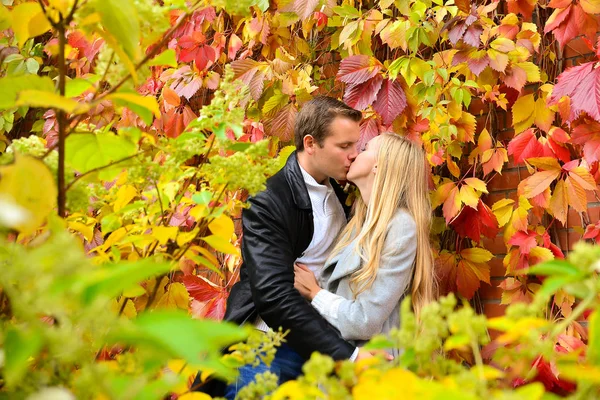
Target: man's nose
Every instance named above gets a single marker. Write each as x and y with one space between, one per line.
353 154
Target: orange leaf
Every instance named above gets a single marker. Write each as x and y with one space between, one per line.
559 202
171 97
576 195
537 183
582 176
452 205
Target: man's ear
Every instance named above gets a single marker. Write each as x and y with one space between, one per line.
309 144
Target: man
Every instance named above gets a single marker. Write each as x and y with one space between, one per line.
296 219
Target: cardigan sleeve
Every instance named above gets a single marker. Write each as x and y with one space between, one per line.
363 317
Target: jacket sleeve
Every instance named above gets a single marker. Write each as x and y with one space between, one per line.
269 259
363 317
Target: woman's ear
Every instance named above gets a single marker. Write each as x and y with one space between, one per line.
374 170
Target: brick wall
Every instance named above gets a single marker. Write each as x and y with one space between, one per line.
505 186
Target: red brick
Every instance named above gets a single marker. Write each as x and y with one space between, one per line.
509 179
492 198
494 309
567 239
496 267
477 106
491 291
577 47
572 61
592 196
495 245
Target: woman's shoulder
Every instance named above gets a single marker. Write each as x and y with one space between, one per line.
403 219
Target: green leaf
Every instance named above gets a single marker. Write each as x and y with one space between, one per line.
346 11
120 19
76 87
112 279
203 197
172 333
5 18
87 151
144 106
11 86
593 350
43 99
554 267
19 347
167 58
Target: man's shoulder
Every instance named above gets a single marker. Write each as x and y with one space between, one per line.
277 190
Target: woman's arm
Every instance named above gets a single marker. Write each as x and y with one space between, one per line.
363 317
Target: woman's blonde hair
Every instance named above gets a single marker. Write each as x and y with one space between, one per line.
400 182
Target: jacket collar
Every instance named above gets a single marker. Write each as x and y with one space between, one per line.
295 179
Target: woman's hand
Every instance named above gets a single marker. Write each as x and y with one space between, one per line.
305 281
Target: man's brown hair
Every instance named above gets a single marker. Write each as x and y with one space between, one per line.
316 116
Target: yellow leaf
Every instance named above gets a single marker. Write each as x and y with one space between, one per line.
86 231
29 21
164 233
115 237
489 372
125 194
590 6
503 209
476 255
28 183
477 184
186 237
40 98
468 196
176 296
134 291
544 116
532 71
195 396
582 176
503 45
544 163
523 112
221 245
222 226
541 254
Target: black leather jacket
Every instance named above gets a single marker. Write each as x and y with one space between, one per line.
277 229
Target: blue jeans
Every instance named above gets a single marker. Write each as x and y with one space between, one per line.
287 365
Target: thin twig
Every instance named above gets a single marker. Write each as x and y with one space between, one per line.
103 167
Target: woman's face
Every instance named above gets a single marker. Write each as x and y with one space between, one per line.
364 164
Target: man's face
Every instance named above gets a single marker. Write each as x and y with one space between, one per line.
338 151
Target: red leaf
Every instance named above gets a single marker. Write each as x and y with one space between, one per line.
205 55
582 85
473 36
368 130
593 232
588 135
358 69
562 153
305 8
524 146
570 22
199 289
525 240
364 94
475 223
391 101
282 125
235 43
515 78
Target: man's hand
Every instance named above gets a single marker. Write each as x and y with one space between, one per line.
305 281
363 354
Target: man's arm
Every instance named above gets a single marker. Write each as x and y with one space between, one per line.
269 260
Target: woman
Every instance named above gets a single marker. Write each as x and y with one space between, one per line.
384 252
